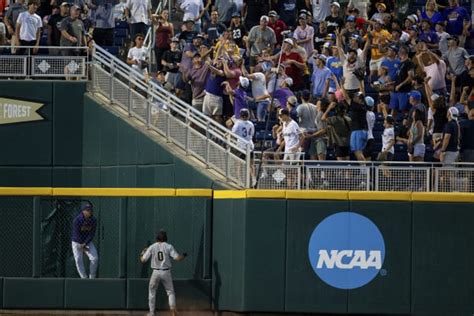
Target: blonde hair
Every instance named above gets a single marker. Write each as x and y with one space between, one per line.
435 3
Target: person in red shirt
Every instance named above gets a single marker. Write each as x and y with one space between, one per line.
294 64
277 26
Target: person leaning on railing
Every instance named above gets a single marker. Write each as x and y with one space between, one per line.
28 28
72 32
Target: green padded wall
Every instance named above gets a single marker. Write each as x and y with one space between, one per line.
1 292
190 295
30 293
95 294
442 258
304 291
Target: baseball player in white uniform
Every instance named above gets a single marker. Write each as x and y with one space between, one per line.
161 253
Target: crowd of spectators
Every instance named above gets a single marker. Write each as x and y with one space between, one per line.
314 76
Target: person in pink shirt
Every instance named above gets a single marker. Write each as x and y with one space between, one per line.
304 34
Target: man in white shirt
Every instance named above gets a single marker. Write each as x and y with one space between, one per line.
137 55
193 10
260 94
321 9
161 253
28 28
292 135
245 129
138 13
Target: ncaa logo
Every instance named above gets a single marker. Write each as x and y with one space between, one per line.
346 250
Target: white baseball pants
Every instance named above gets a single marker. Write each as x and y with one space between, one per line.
165 277
91 253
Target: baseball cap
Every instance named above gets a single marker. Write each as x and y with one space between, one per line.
244 112
380 4
413 18
289 41
272 13
336 4
175 40
87 206
358 94
289 81
305 94
199 35
453 111
302 16
285 111
188 20
66 4
264 18
350 18
390 119
292 100
394 48
75 7
322 58
415 94
369 101
434 97
236 15
244 82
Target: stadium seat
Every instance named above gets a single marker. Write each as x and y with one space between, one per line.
400 148
121 32
121 25
263 135
400 156
114 50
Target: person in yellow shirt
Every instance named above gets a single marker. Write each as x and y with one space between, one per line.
226 44
380 39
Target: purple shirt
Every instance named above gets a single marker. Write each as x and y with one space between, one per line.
186 63
198 78
213 84
282 95
83 230
239 101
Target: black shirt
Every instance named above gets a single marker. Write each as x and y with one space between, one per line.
452 128
255 9
467 135
187 36
54 21
439 120
334 23
319 40
172 58
402 75
238 33
358 115
214 31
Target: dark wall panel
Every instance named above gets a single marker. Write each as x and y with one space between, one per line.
442 258
30 143
30 293
305 292
95 294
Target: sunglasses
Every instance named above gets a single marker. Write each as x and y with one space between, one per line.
140 38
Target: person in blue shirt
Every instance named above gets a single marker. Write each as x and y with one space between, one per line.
320 78
391 61
335 65
428 36
83 231
431 12
457 18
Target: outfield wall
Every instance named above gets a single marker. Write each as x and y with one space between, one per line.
82 144
261 252
248 250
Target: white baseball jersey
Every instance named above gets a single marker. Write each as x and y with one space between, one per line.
246 130
161 254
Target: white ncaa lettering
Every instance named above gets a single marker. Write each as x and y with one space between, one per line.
359 259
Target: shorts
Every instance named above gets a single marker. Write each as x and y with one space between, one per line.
197 103
419 150
342 151
384 98
317 147
358 140
292 156
399 101
450 157
368 148
375 64
212 104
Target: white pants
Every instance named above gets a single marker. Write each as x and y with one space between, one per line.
91 253
165 277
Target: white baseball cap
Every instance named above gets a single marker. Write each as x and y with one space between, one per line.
289 81
336 4
244 82
289 41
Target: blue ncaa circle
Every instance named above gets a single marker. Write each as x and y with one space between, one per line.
346 250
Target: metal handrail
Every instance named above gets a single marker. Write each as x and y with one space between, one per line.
217 135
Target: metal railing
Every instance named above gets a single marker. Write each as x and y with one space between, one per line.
197 134
49 62
367 176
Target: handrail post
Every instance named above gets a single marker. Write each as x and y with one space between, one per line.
111 91
129 96
227 158
187 131
248 166
207 145
148 106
